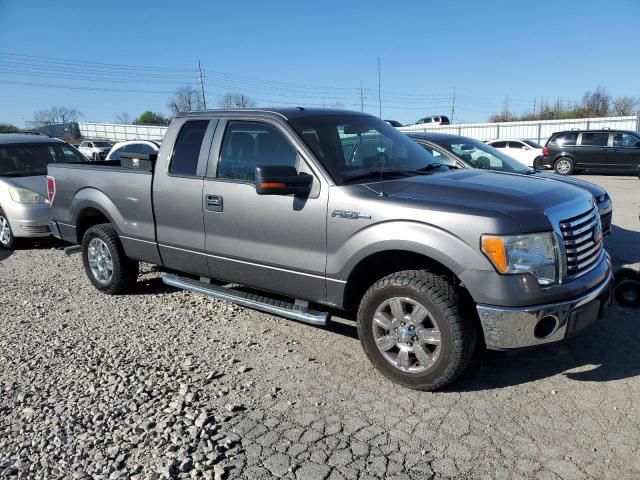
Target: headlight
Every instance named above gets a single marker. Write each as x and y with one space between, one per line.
533 253
22 195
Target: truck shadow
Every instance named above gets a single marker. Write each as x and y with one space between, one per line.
623 245
605 352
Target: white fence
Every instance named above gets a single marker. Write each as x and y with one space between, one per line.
539 130
118 132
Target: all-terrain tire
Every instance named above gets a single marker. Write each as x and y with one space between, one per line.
124 271
445 311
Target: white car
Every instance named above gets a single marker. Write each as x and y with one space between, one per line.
95 149
133 146
525 151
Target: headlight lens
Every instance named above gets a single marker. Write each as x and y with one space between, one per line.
533 253
22 195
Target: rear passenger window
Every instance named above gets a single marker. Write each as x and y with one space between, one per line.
247 145
564 139
595 139
499 144
184 160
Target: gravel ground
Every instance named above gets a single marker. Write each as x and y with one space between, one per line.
164 383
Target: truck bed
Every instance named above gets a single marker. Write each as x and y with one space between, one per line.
118 190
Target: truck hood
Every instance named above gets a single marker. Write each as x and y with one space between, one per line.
523 197
36 184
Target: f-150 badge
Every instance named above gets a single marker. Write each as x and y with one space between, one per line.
353 215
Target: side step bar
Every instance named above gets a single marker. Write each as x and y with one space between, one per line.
72 249
250 300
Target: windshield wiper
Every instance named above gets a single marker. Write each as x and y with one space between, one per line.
383 173
431 166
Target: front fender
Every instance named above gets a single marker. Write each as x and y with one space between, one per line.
410 236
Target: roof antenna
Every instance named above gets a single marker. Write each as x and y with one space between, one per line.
381 194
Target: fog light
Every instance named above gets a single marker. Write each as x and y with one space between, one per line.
546 326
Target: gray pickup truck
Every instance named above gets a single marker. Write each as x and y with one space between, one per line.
302 212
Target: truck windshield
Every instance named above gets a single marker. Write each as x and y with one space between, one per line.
27 160
355 147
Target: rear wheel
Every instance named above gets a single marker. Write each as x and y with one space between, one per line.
564 166
105 262
537 163
7 240
411 328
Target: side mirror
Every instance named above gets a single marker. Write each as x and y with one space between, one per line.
638 144
282 180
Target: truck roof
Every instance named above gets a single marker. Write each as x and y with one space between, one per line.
11 138
286 112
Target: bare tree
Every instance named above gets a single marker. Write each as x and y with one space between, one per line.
124 118
186 99
596 103
236 100
624 106
56 115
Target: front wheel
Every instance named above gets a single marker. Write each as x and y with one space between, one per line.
411 328
105 262
563 166
7 240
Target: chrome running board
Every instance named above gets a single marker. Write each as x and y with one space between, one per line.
72 249
250 300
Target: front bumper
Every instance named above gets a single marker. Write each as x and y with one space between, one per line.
518 327
29 220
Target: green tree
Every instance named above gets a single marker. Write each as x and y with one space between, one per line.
8 128
151 118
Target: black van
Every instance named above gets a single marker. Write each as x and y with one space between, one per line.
591 151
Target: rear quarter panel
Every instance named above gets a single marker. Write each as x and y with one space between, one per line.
124 197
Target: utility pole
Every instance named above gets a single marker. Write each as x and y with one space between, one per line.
361 98
204 99
379 90
534 106
453 104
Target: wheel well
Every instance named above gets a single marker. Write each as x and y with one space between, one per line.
381 264
87 219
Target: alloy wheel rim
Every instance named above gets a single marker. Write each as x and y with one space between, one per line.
563 166
100 261
407 334
5 231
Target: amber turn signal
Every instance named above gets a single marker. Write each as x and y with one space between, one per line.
494 248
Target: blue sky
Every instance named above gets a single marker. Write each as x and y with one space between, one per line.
314 53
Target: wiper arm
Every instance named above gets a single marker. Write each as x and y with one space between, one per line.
431 166
382 173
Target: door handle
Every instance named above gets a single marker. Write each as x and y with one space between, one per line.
213 203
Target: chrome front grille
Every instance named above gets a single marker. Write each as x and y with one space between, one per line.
582 238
